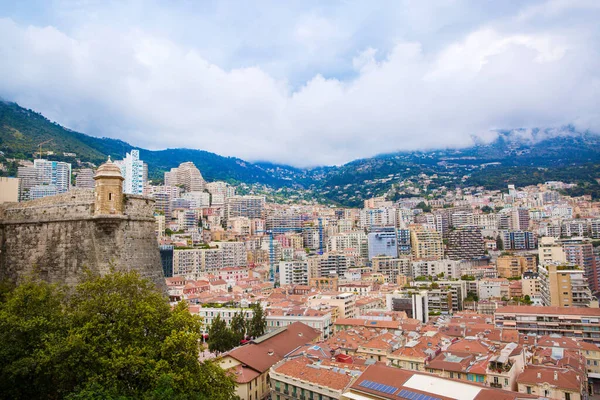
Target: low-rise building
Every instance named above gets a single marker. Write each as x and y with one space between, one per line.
577 322
250 364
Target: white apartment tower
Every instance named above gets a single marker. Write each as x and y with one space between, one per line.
132 169
54 173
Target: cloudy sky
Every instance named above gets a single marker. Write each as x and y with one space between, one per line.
303 82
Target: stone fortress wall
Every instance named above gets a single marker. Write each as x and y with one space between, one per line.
60 237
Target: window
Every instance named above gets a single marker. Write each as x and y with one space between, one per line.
528 389
451 374
505 382
567 396
110 196
250 385
496 380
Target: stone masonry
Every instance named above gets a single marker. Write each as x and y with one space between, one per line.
58 237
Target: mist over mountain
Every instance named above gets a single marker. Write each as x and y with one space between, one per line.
555 152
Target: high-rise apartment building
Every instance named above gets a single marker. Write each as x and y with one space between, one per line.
293 273
333 264
132 169
85 179
383 242
519 219
186 176
245 206
564 286
426 244
466 243
391 267
515 266
219 192
30 177
40 191
518 240
44 178
550 251
403 236
462 218
580 252
356 240
54 173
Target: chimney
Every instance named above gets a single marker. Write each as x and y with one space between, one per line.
555 375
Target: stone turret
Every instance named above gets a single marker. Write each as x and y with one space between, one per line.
109 190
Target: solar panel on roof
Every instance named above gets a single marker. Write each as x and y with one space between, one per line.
407 394
380 387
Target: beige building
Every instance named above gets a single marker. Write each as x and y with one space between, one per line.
551 382
250 364
426 243
530 285
550 251
391 267
9 190
514 266
564 286
345 302
186 175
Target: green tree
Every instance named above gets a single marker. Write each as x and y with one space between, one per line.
424 207
499 243
220 337
31 316
258 323
238 326
111 337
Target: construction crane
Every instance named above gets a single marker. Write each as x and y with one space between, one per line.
40 146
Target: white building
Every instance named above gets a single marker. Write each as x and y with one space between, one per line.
54 173
197 199
318 319
234 254
293 273
132 169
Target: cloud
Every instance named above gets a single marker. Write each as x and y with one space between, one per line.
307 86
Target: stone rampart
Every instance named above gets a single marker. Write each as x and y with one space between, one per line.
59 237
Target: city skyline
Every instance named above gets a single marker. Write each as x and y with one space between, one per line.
257 82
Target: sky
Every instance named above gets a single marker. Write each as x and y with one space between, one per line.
305 82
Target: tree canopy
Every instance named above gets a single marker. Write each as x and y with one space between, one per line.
258 324
111 337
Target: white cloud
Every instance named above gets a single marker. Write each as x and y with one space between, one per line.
361 94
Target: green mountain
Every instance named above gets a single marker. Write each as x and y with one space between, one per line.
22 130
520 157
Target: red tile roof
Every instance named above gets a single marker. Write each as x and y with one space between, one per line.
264 352
562 378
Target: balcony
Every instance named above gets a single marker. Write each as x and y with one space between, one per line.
496 385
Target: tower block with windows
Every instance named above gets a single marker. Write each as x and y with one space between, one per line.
109 190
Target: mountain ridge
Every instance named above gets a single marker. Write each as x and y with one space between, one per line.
518 153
